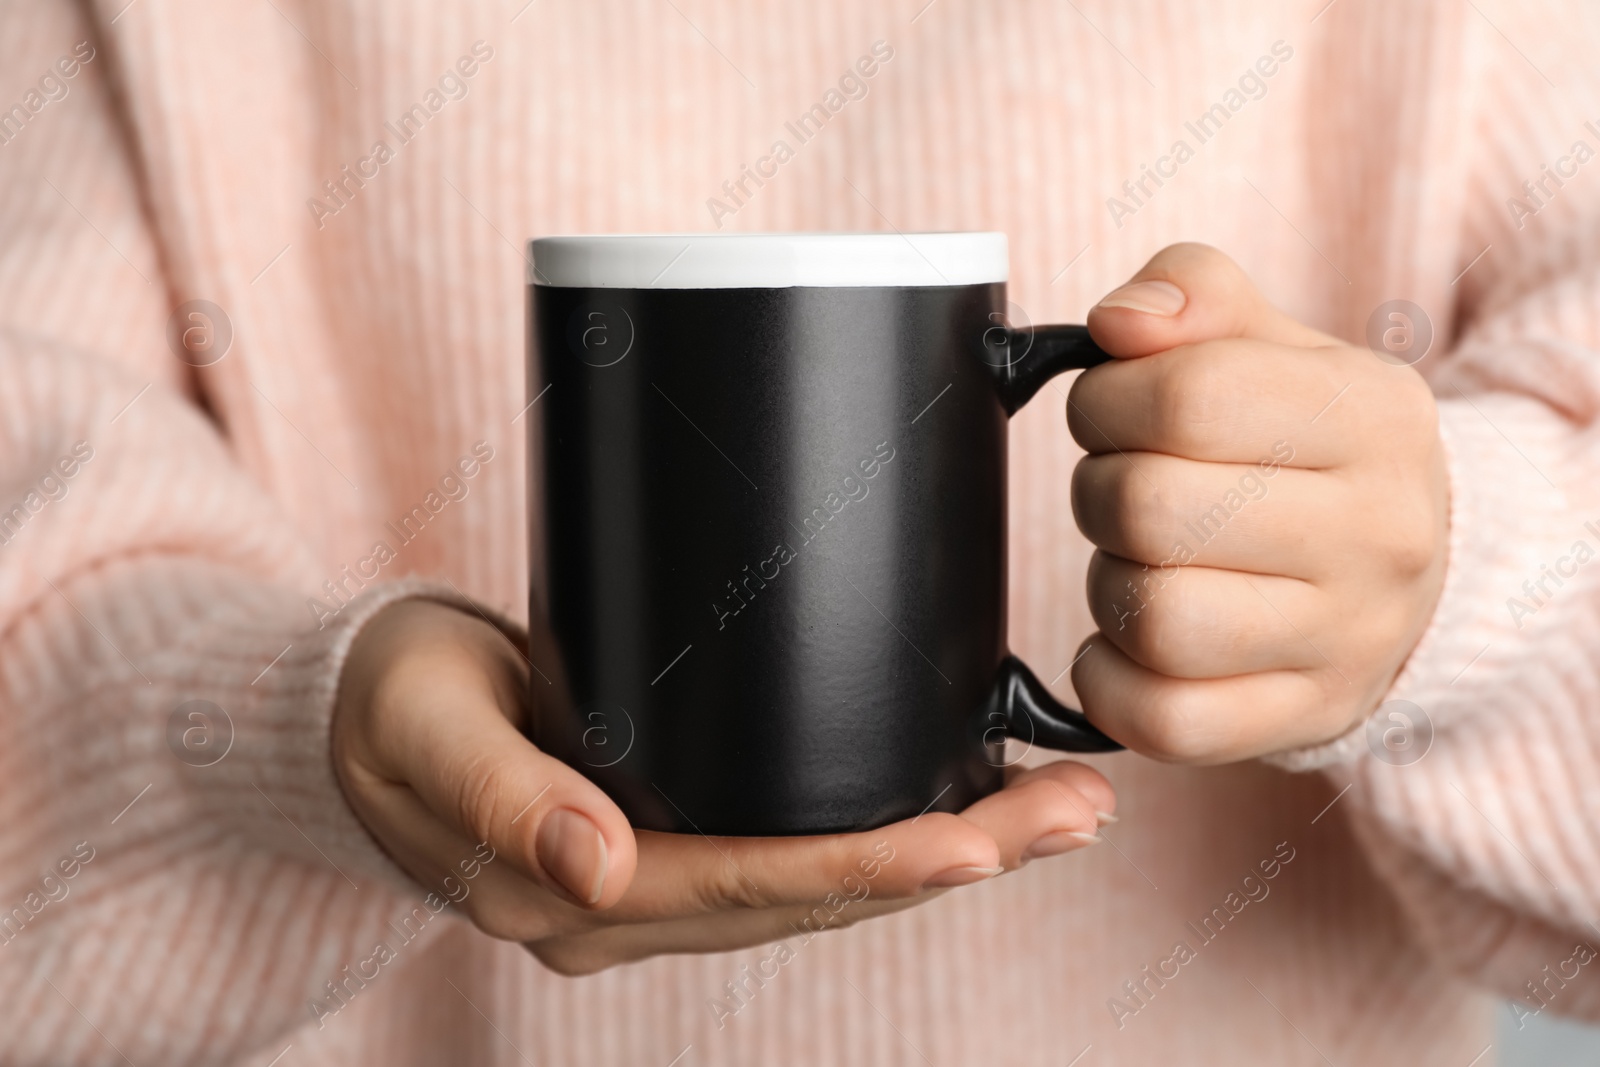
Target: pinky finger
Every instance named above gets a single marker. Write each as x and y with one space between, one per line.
1204 720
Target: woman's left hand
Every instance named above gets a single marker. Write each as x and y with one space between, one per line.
1271 512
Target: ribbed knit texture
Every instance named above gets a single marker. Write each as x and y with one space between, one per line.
376 345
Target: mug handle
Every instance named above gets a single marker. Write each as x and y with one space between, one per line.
1019 700
1046 352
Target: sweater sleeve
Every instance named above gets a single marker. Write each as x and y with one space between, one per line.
165 782
1488 827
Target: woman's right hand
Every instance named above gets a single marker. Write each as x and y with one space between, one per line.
427 745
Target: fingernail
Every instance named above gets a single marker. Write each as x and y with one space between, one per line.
960 876
572 851
1153 298
1054 844
1105 818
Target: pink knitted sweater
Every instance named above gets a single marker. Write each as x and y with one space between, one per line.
351 183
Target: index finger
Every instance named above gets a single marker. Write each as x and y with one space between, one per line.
905 859
679 875
1227 401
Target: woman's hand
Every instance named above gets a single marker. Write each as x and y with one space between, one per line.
1271 509
427 745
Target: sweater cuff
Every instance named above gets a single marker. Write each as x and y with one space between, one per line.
1513 526
272 744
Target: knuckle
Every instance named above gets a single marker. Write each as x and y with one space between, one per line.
1088 494
1405 535
477 794
1409 547
1164 631
1117 594
1139 509
1189 397
727 890
1160 535
1187 260
1158 602
1418 402
508 925
514 917
572 957
1403 410
1409 521
1061 804
1173 727
1079 396
1200 255
1119 508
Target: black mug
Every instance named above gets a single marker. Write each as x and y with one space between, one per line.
773 471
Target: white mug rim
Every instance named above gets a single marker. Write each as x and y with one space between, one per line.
768 260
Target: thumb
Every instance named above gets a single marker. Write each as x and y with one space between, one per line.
1186 294
438 723
478 774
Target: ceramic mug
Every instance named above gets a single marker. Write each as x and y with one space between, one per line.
773 514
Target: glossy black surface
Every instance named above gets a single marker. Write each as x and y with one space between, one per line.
775 529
